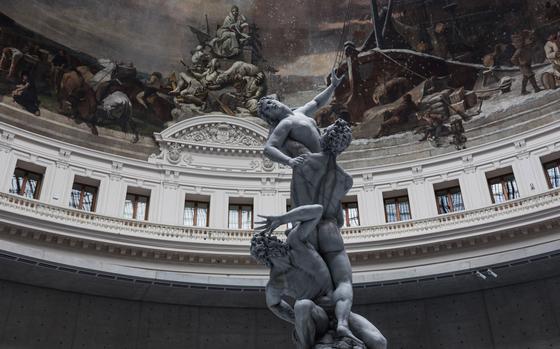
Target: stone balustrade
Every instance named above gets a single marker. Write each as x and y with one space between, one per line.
413 228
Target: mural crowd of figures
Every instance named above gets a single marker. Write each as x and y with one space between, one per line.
428 72
225 73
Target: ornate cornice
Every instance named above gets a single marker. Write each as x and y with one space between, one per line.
6 141
209 134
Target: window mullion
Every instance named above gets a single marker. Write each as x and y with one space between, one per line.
195 214
239 216
135 207
81 203
23 184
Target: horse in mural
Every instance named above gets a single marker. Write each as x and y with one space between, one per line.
78 99
75 96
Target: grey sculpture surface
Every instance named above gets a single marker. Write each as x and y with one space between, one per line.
312 265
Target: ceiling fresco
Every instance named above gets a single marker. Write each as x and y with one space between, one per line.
299 37
426 67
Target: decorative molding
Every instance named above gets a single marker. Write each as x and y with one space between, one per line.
255 164
116 171
171 180
468 164
219 135
521 149
6 141
267 164
269 192
211 134
63 161
171 185
417 177
116 166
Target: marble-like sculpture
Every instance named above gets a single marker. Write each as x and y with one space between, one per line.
312 265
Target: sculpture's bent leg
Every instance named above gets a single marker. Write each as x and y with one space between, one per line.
331 248
341 272
311 321
367 332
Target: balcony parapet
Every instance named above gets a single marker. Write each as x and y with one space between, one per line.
508 215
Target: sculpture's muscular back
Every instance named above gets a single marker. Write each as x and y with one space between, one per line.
320 181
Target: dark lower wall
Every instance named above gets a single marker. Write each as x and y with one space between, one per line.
524 316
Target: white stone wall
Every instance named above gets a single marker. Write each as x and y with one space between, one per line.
224 171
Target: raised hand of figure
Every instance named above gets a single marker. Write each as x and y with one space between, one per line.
297 161
269 224
335 80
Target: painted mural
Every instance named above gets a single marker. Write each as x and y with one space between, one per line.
409 66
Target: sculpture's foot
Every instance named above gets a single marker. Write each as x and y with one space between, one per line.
344 331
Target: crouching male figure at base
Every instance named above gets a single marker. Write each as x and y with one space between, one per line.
298 271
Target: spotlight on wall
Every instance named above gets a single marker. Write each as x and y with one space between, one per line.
532 186
480 275
491 273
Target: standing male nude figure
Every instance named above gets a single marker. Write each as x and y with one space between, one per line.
287 126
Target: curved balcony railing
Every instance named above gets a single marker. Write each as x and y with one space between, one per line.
464 219
83 221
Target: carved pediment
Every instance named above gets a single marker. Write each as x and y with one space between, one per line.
220 134
212 134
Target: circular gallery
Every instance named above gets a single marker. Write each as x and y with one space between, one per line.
368 175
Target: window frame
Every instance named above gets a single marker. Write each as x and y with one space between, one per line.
82 190
196 202
397 201
346 215
555 163
503 182
21 191
240 215
135 206
449 193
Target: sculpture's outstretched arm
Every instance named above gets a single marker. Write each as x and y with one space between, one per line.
277 305
308 215
322 98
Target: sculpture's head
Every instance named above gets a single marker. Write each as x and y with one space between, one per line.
268 249
272 110
336 138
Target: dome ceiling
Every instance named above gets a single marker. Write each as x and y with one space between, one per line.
298 39
432 74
